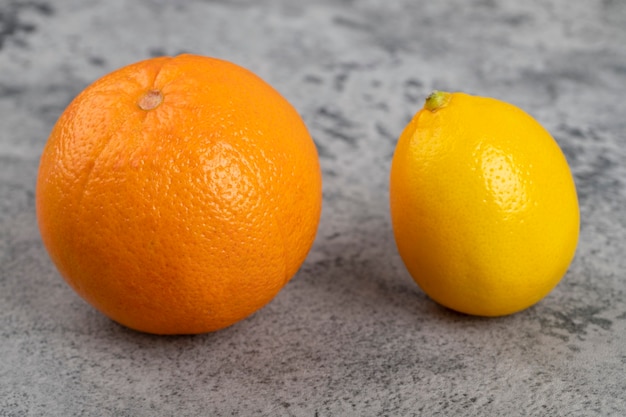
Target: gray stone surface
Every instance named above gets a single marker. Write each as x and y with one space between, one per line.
351 334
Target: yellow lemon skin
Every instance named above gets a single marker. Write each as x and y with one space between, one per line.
483 205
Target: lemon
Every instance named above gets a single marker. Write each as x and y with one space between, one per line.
483 205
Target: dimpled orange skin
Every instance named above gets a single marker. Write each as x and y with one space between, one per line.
179 195
483 205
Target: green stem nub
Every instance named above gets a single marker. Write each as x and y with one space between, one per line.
437 100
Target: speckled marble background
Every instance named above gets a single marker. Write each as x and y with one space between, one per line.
351 334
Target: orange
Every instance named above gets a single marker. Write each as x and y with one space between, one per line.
178 195
483 205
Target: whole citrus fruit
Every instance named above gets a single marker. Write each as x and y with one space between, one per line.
483 205
179 194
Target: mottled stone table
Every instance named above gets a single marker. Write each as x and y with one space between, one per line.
351 334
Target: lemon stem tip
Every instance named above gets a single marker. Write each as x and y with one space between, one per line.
437 99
